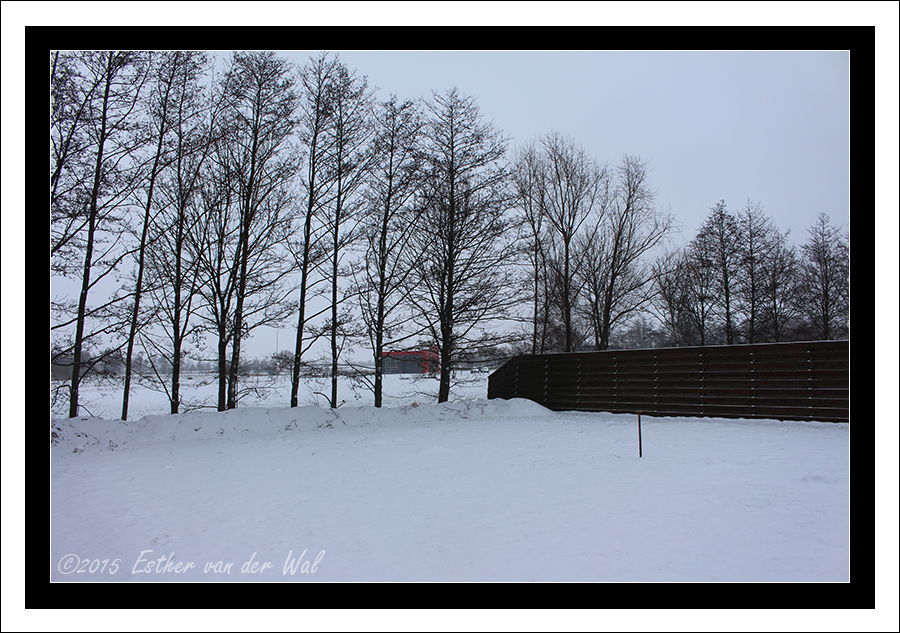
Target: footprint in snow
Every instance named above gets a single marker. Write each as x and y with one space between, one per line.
820 478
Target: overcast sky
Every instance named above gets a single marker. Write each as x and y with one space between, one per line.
772 127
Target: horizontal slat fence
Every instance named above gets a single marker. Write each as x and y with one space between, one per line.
782 381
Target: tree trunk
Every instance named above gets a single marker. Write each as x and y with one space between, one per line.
379 380
334 308
140 272
236 335
379 348
444 388
176 381
223 369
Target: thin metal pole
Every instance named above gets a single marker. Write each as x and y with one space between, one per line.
640 445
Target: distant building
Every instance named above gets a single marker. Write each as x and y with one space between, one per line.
412 362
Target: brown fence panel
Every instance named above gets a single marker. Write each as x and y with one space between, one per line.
784 381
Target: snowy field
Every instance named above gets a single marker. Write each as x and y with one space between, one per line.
470 490
103 399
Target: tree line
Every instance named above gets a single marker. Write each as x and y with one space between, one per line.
215 199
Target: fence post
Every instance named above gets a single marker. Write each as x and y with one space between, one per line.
578 385
655 382
640 444
809 382
546 378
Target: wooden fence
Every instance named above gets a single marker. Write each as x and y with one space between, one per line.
783 381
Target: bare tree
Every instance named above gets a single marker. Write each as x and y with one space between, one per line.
214 241
190 116
350 128
462 280
263 162
317 185
670 296
717 247
529 194
157 128
389 223
95 136
173 87
826 280
700 280
781 290
575 192
265 291
755 238
616 278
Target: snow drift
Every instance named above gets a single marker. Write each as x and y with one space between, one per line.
481 490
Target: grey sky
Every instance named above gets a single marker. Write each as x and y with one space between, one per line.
773 126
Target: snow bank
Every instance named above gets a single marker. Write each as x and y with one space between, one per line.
462 491
77 434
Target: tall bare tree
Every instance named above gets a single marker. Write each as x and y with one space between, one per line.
317 184
529 194
214 241
95 134
700 279
826 280
781 290
717 246
389 222
173 88
161 81
670 296
351 128
262 161
755 237
616 276
462 280
575 193
190 115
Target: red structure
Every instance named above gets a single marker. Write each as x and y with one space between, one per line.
412 362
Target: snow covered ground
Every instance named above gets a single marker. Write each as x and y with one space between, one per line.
470 490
